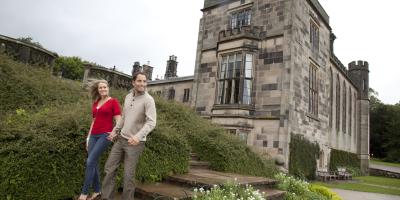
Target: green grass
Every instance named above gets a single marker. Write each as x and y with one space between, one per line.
373 184
379 162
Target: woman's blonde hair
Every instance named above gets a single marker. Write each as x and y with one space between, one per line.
94 89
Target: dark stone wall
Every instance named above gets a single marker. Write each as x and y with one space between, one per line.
27 53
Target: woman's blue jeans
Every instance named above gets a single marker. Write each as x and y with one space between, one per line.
98 143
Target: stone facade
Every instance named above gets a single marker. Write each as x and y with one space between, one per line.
113 77
27 53
265 69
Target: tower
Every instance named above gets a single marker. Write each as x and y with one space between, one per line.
359 74
172 64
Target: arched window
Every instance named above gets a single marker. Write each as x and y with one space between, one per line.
344 108
331 99
350 110
337 103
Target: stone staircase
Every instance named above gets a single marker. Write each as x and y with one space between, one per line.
180 187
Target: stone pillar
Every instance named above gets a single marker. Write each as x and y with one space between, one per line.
2 47
24 54
359 74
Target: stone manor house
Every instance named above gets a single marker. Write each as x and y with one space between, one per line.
266 69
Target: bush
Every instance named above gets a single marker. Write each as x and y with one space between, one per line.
303 157
43 154
211 143
326 192
166 153
297 189
30 87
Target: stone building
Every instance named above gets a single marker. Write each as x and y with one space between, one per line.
266 69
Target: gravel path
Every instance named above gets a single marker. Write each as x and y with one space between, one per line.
354 195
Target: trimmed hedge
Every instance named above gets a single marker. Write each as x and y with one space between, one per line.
43 154
344 159
303 157
30 87
225 152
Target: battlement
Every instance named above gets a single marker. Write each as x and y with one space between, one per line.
359 65
251 32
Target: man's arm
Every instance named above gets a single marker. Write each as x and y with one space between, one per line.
150 117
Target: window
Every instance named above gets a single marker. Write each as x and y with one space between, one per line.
171 94
186 95
241 18
242 134
344 108
313 90
338 103
331 99
314 36
235 79
350 110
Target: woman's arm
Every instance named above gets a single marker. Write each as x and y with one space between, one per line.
88 135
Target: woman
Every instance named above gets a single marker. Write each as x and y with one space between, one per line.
104 109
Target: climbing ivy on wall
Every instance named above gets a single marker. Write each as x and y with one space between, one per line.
340 158
303 157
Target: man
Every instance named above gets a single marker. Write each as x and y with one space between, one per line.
137 121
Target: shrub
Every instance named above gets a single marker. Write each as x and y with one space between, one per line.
326 192
30 87
43 154
211 143
302 158
297 189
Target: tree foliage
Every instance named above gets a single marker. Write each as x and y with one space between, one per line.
69 67
384 129
29 40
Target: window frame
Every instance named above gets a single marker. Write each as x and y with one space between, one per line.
234 79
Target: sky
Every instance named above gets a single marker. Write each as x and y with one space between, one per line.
120 32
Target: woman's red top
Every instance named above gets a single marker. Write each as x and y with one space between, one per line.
103 116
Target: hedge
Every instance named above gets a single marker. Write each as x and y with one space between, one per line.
344 159
43 132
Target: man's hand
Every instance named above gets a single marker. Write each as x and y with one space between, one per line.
111 136
133 140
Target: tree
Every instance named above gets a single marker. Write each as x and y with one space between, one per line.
29 40
69 67
384 129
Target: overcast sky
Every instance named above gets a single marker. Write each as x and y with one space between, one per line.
120 32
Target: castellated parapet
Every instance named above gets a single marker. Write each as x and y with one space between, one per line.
359 74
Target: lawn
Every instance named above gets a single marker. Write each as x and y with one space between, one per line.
373 184
379 162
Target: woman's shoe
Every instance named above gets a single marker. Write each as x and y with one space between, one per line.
95 196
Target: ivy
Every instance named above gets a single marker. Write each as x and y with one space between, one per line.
303 157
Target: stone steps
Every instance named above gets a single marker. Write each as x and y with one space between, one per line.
207 178
180 187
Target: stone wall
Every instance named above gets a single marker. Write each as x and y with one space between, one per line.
115 78
27 53
163 88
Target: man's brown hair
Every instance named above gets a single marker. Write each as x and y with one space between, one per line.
136 74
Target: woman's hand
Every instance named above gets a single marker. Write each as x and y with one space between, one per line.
111 136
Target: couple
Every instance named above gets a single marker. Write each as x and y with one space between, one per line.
138 119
